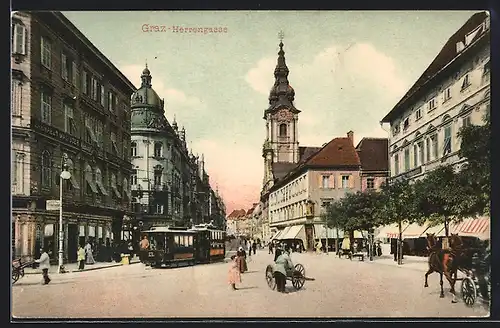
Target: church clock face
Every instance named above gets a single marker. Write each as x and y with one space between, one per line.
284 115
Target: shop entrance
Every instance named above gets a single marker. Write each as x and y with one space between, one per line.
72 242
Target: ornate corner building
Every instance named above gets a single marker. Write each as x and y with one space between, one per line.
70 108
170 185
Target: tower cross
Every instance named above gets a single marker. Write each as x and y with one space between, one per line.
281 35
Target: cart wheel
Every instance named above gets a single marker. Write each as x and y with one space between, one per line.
299 276
270 277
469 292
15 275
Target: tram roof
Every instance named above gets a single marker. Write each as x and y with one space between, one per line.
167 229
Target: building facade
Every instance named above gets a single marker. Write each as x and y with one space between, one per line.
453 92
170 185
70 111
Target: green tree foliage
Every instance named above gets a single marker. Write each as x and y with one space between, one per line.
475 175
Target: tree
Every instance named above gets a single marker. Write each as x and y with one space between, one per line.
335 217
475 175
399 205
355 211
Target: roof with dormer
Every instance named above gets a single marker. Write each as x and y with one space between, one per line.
475 24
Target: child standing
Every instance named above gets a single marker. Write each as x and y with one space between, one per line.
234 275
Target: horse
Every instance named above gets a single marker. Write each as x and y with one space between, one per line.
442 261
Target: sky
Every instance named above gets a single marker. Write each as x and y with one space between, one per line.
348 69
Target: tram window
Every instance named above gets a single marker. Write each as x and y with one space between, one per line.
177 241
190 240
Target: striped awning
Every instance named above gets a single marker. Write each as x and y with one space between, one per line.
414 230
479 227
390 231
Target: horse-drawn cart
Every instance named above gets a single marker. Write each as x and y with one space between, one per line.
297 276
18 268
477 280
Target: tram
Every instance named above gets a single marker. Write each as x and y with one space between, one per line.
170 247
209 243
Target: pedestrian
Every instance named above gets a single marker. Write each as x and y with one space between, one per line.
254 247
88 252
249 248
241 259
270 247
144 244
44 262
80 254
297 248
234 275
282 265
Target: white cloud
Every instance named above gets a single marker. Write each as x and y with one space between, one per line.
175 99
261 77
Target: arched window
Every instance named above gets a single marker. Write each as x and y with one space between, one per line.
158 172
446 118
89 179
126 188
283 130
70 166
133 149
46 169
158 149
98 181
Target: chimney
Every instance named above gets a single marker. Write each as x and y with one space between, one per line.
350 135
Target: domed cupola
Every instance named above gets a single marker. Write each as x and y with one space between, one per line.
281 94
146 105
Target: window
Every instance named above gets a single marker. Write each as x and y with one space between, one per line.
159 209
428 149
85 84
133 178
46 169
71 169
407 159
406 123
466 82
99 180
19 39
432 105
67 68
447 94
16 97
74 72
434 146
325 179
486 68
345 181
112 101
46 48
396 164
447 140
418 114
283 128
157 177
102 95
14 168
370 183
421 152
133 149
395 130
415 155
69 120
466 121
114 147
157 149
93 88
46 107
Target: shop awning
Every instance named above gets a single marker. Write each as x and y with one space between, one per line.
320 232
479 227
277 234
295 232
390 231
414 230
283 233
437 230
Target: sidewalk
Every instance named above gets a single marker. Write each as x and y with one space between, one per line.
73 267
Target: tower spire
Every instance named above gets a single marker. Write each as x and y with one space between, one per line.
146 77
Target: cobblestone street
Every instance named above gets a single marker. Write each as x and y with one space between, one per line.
341 288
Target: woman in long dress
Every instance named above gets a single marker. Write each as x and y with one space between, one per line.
241 259
234 275
88 253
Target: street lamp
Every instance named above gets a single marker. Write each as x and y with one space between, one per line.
65 175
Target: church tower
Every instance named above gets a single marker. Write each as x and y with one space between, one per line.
281 144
